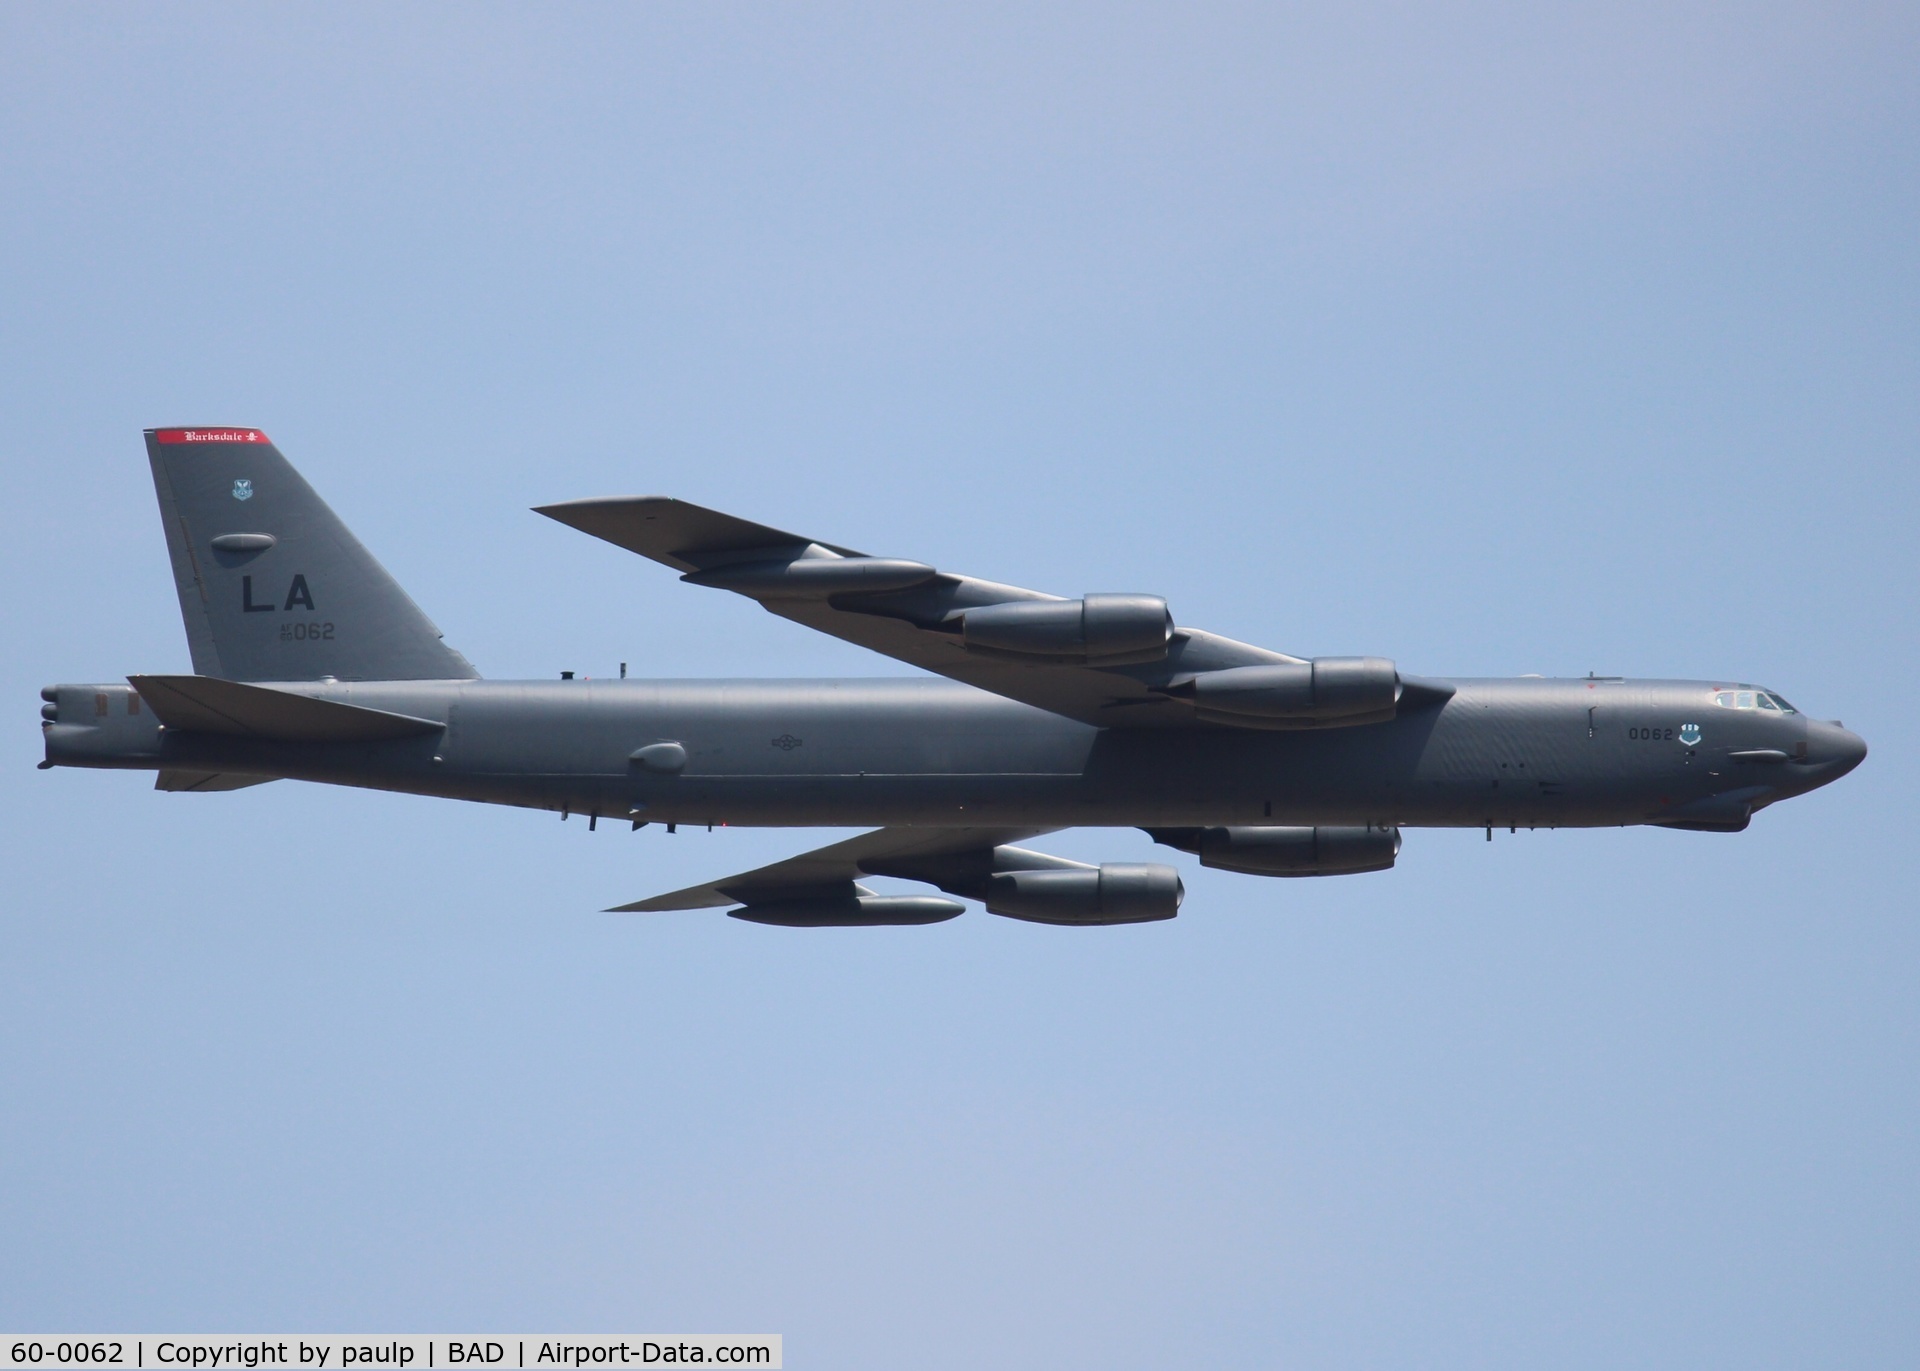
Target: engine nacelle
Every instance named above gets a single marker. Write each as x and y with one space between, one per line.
1328 692
1286 851
1112 893
1100 630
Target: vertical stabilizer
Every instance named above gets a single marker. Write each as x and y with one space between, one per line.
272 585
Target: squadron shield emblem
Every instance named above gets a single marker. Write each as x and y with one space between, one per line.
1690 734
243 490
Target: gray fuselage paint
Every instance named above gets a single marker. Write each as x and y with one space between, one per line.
1529 752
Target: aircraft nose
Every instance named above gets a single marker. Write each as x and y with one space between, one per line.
1835 750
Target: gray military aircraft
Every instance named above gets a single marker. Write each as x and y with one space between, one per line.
311 663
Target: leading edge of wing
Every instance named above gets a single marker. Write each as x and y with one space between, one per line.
686 537
832 869
903 609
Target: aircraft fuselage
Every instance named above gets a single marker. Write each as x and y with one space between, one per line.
871 751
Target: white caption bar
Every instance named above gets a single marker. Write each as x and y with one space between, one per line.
385 1352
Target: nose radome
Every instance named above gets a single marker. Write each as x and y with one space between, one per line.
1836 750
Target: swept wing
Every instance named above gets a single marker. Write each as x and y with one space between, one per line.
918 614
939 856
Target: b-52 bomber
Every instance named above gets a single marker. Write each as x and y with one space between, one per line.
1039 713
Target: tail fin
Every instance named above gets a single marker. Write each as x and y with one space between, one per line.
272 585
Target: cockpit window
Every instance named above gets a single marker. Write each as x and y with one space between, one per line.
1751 699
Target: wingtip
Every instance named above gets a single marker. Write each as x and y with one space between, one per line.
647 906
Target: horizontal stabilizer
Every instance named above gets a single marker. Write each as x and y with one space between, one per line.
203 782
207 704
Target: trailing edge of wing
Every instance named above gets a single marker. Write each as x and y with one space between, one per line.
205 782
208 704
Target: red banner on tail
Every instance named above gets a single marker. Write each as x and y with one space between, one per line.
209 435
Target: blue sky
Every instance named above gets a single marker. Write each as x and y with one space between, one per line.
1494 339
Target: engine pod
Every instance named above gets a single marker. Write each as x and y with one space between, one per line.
1112 893
1328 692
1098 630
1338 850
